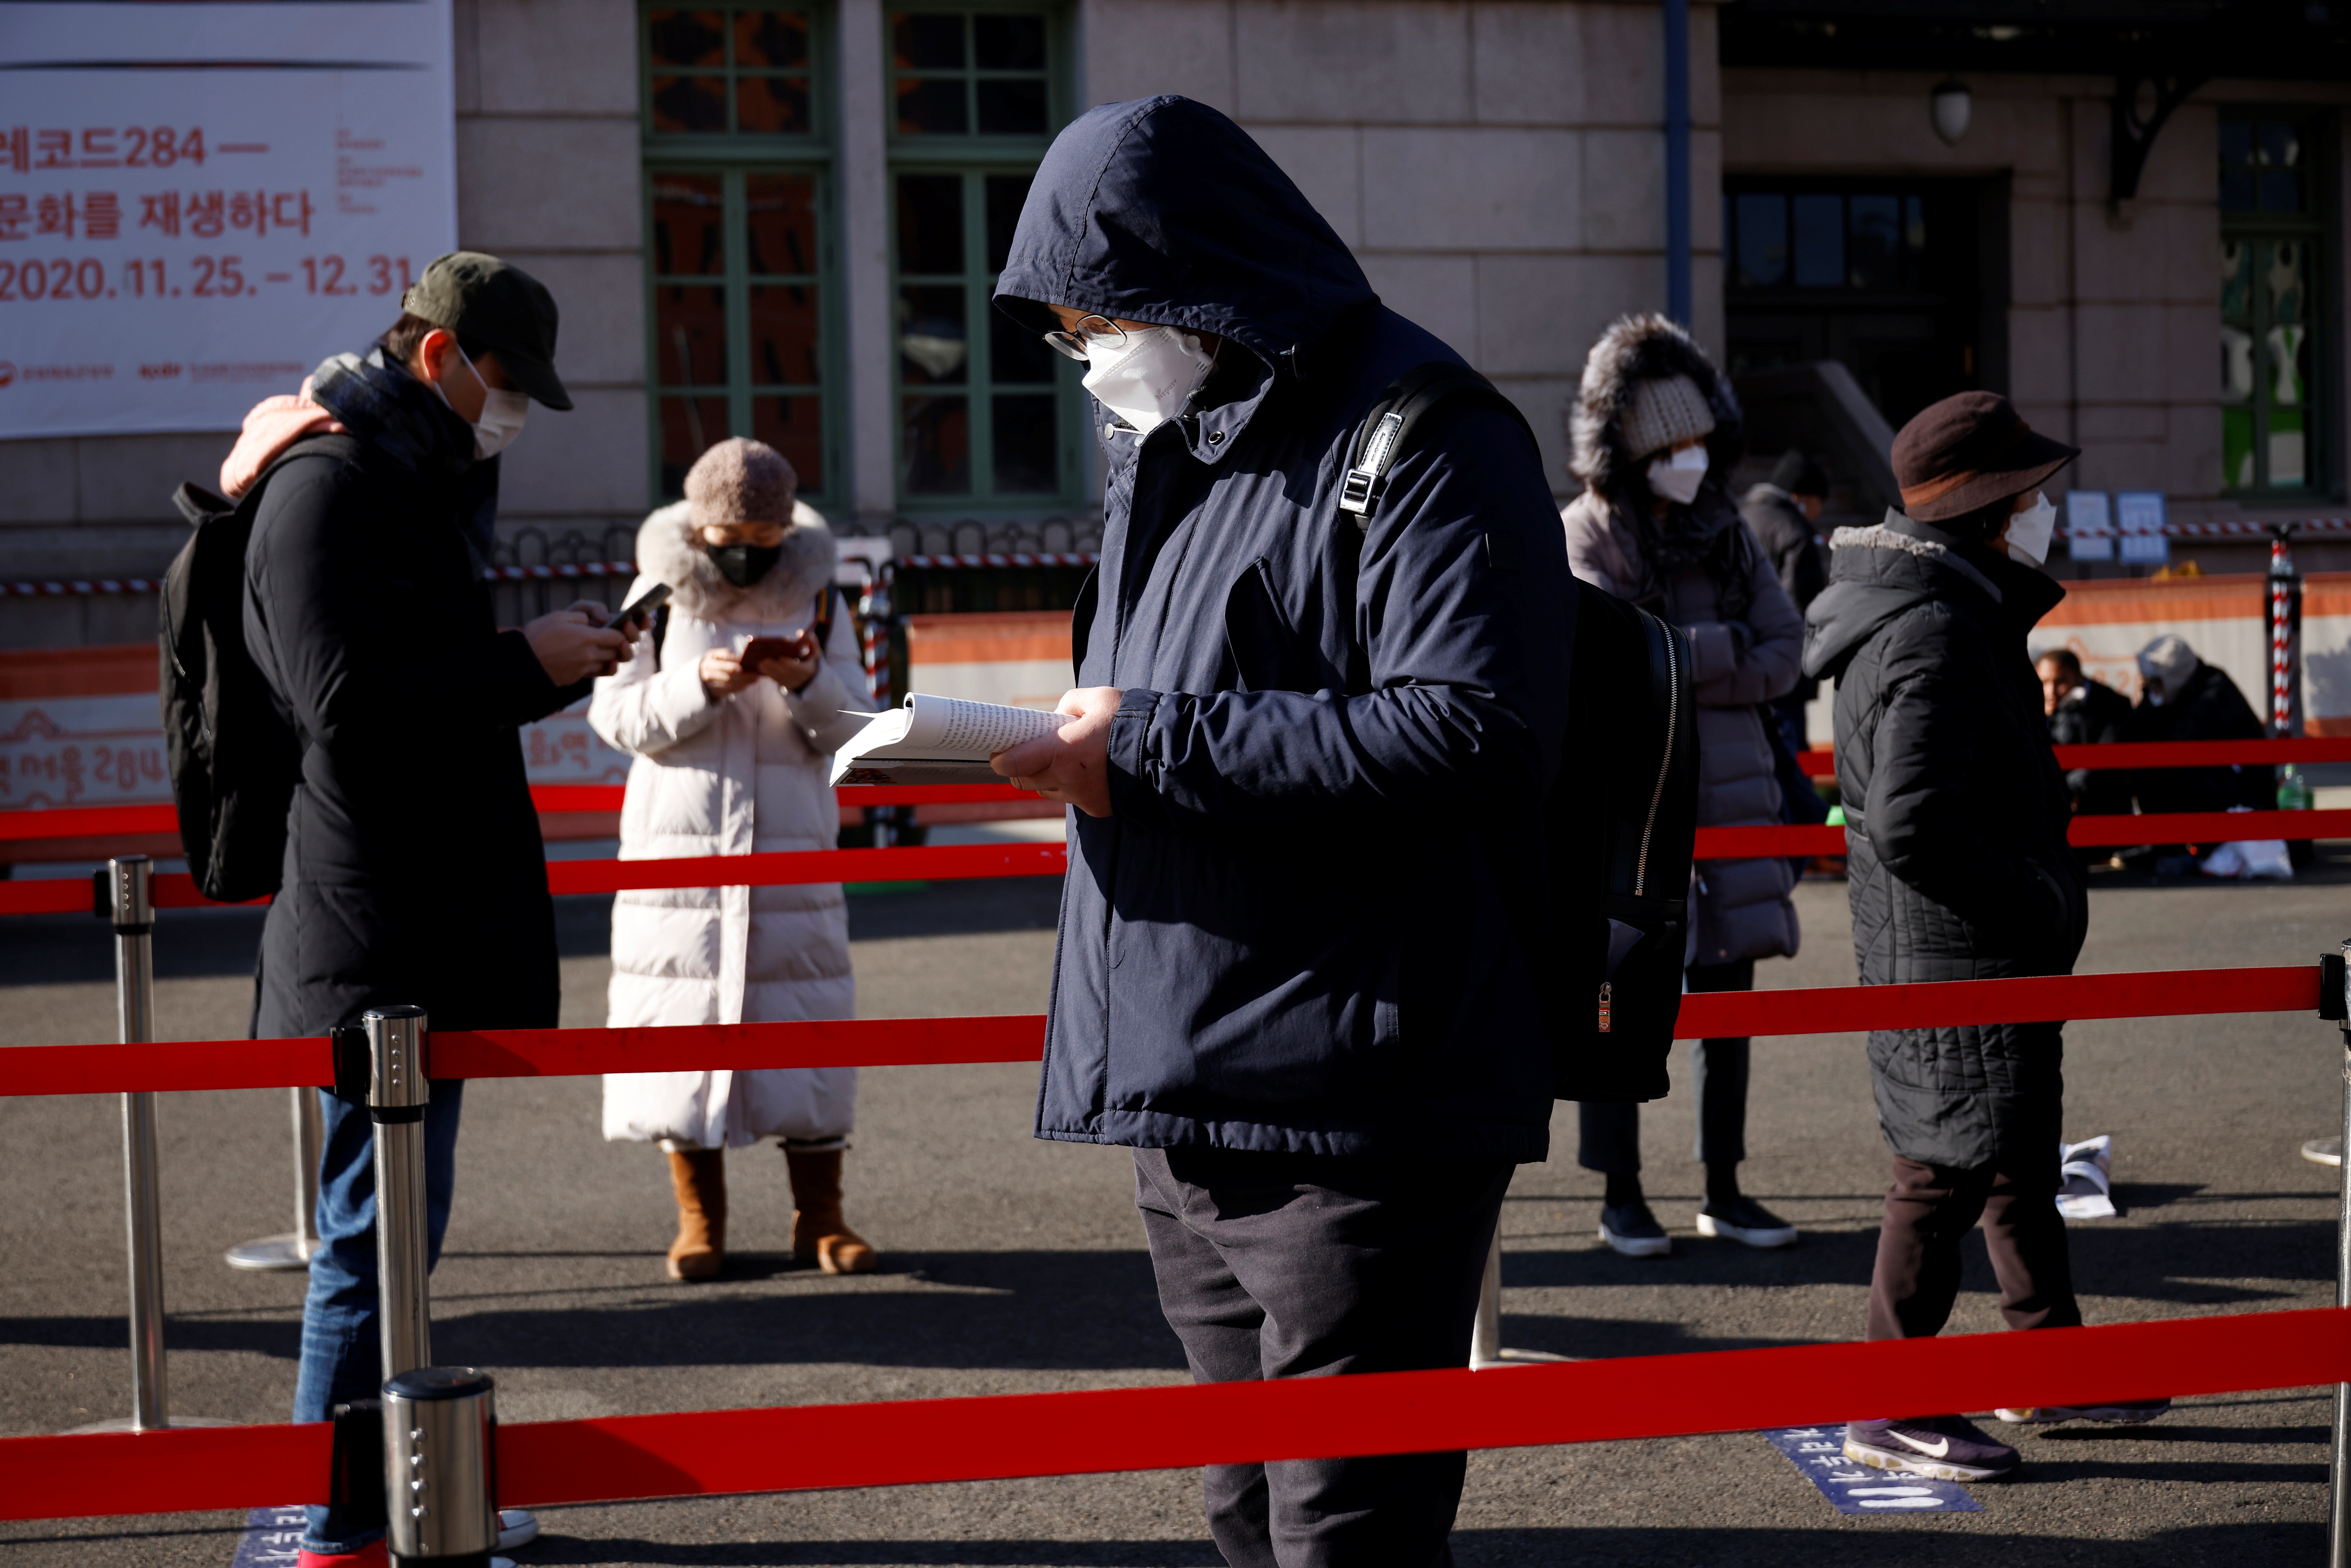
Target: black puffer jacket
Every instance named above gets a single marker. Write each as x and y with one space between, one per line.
414 868
2093 714
2208 707
1955 817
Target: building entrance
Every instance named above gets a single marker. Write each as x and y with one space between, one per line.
1904 282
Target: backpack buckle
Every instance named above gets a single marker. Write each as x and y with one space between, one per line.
1359 491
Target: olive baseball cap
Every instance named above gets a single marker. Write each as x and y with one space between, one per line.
497 306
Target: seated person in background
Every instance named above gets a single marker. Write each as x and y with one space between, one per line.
2185 698
2084 712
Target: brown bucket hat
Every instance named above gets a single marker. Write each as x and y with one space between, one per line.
1968 450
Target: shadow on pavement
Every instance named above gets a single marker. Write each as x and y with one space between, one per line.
2221 1261
1839 1541
1033 1310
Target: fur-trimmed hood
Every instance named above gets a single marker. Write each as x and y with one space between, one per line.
668 552
1635 348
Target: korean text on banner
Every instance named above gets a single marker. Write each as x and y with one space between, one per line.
200 202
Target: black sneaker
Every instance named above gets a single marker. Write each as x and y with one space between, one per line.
1632 1230
1942 1447
1743 1219
2111 1415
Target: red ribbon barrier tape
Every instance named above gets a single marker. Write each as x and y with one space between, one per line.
916 1043
929 863
23 824
86 821
1831 1009
608 797
2154 828
806 1447
1820 763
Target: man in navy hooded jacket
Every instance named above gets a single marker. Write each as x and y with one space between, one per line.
1307 757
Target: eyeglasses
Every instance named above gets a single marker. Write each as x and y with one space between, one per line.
1090 329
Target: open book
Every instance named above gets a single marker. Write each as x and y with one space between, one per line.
939 740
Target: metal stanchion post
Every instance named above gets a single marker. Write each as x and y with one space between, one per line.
1486 1340
2334 1002
397 1093
123 900
438 1458
293 1249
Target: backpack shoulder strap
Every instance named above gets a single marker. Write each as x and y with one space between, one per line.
1387 430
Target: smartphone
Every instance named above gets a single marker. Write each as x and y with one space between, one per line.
642 608
760 650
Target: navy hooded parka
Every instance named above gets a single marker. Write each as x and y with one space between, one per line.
1310 923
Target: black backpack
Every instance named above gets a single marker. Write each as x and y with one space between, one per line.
1622 816
235 758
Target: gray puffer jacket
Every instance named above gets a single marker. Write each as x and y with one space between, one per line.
1743 908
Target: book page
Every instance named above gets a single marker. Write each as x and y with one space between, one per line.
956 727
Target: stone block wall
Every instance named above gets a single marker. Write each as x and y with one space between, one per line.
1497 165
2113 316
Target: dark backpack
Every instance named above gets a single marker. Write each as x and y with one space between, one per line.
1621 817
235 758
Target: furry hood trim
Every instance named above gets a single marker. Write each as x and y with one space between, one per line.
668 552
1635 348
1878 535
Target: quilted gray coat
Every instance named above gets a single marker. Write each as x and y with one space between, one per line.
1955 826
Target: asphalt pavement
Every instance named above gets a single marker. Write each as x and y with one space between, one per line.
1013 1265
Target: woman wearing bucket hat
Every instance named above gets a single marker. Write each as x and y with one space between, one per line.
1956 815
1656 428
731 746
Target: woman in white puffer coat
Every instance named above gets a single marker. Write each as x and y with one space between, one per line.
732 760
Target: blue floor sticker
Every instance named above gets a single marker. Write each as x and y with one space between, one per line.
272 1539
1819 1452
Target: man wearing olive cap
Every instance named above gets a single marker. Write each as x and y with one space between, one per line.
413 870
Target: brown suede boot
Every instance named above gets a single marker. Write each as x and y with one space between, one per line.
818 1233
699 1176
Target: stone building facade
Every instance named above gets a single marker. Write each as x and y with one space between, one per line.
778 218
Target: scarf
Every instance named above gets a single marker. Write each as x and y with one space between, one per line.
376 399
1705 535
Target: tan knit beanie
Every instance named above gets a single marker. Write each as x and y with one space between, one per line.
1665 413
741 481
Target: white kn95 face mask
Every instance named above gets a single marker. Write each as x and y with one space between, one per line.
1675 478
2029 530
1149 378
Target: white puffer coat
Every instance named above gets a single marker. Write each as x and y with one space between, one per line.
745 774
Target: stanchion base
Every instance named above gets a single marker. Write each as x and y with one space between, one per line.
1509 1357
274 1253
125 1424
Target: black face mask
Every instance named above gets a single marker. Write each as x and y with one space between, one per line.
744 565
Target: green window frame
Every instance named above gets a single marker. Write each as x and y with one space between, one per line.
2275 251
744 335
987 418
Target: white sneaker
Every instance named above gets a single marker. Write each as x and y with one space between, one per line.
1632 1230
1749 1223
2323 1151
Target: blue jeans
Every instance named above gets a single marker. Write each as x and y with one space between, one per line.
342 1355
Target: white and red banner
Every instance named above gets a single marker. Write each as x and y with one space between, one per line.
201 201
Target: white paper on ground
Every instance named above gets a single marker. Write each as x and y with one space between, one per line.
2246 859
2086 1181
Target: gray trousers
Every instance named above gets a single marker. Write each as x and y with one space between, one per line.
1303 1265
1609 1137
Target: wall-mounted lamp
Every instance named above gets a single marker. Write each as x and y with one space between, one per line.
1953 106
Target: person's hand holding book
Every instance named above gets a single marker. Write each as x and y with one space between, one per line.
1073 765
